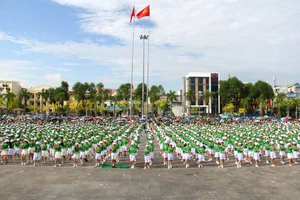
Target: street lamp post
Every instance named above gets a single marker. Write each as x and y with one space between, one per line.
200 94
143 37
87 95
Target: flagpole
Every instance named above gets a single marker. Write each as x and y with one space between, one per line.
147 96
132 57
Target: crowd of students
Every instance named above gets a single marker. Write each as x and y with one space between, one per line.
37 143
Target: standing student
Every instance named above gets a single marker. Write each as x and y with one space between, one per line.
11 150
24 152
282 151
37 154
99 149
222 155
239 155
31 150
188 149
82 153
151 149
17 149
267 151
165 152
171 151
295 152
146 157
45 153
132 152
114 154
57 155
76 155
4 153
250 152
290 154
256 151
200 154
273 154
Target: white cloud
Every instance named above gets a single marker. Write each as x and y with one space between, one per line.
55 79
252 40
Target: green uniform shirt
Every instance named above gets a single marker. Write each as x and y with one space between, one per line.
132 150
37 148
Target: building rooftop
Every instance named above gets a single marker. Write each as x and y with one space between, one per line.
200 74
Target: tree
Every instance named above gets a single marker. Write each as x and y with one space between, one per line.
161 105
171 97
242 111
13 104
297 104
24 95
261 92
231 90
138 92
80 89
278 101
154 95
65 86
190 96
43 96
229 108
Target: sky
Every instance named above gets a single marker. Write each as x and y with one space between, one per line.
43 42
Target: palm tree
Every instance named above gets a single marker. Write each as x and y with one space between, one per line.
8 97
297 104
278 100
171 97
190 96
25 95
154 95
207 97
43 96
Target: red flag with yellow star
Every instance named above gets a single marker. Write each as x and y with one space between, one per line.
144 13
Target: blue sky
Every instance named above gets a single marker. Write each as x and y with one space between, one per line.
43 42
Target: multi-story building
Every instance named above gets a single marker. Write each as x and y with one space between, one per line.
199 83
35 99
12 86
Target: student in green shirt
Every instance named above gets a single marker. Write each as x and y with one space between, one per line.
99 149
45 153
57 156
273 153
282 151
4 153
114 154
200 154
222 155
256 150
132 152
295 152
187 149
24 152
146 157
76 155
290 154
171 151
82 150
37 154
151 149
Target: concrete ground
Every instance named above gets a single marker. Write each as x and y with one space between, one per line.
210 182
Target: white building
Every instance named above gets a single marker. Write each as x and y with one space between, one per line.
199 83
12 86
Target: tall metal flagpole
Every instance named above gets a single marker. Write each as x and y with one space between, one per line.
131 81
143 37
147 96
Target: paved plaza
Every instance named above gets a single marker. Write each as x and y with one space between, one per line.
210 182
